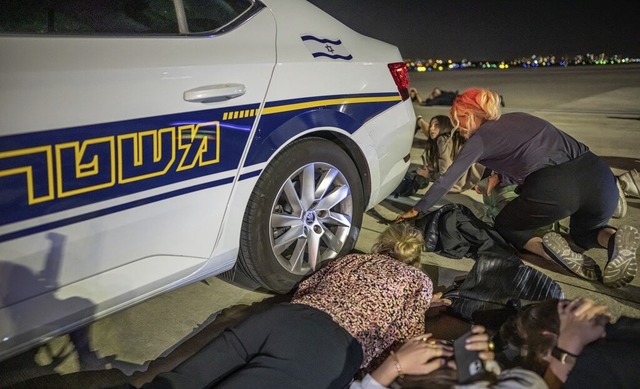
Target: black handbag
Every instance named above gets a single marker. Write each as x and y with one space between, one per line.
411 183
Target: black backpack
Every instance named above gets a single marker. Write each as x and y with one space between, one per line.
410 184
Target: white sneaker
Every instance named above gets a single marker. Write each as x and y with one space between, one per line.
622 265
621 208
559 250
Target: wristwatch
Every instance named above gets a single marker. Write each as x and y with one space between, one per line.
563 356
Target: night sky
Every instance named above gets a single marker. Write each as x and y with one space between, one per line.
494 29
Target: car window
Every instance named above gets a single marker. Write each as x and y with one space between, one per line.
101 17
211 15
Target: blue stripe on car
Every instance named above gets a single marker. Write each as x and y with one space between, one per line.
56 170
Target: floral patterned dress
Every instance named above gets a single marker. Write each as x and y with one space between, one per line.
377 299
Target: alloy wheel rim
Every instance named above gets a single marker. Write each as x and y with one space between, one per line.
311 217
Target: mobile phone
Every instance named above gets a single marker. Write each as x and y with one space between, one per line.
468 362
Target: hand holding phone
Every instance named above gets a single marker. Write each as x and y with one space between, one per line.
469 365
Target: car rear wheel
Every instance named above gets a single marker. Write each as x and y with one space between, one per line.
306 208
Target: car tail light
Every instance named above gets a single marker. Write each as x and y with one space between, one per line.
400 77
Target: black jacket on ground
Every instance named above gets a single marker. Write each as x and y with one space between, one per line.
499 282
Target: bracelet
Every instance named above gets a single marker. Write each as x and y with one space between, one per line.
563 355
398 367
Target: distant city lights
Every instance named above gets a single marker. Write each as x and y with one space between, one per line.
438 65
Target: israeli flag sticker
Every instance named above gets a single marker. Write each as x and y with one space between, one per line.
326 48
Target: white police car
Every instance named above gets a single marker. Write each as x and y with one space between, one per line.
147 144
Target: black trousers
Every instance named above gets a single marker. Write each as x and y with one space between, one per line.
583 189
287 346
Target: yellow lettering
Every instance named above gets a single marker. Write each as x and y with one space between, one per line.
200 145
85 167
160 154
36 164
72 168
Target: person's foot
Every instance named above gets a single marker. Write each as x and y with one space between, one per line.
621 208
558 249
622 265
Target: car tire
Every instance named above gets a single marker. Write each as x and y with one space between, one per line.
287 234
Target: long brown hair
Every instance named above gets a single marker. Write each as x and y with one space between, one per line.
432 153
442 378
534 330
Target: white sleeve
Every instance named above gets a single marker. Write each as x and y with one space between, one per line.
367 383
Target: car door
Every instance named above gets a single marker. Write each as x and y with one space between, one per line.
116 165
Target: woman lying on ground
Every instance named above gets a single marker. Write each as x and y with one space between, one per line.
427 363
339 320
436 97
558 177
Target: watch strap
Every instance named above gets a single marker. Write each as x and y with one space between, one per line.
563 356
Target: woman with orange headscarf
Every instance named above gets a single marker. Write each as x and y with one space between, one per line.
557 177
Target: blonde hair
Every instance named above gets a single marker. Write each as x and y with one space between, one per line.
402 242
476 103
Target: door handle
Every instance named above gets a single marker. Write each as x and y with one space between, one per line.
213 93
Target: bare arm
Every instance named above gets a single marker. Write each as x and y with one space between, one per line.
582 321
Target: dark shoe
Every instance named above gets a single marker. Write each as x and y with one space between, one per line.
622 265
621 208
558 249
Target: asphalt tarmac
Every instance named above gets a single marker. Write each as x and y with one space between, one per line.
599 106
